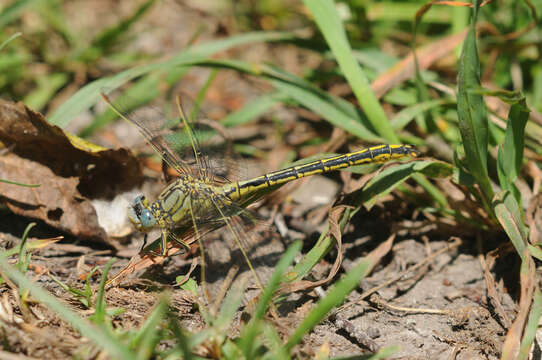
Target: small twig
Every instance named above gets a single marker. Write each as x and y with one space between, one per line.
378 300
226 284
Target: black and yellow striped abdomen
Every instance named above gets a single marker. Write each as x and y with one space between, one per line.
373 154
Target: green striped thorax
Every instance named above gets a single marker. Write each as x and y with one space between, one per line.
173 206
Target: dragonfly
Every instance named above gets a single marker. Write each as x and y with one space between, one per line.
199 201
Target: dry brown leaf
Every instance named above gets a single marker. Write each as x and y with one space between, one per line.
511 346
57 201
486 263
70 170
533 218
101 172
335 231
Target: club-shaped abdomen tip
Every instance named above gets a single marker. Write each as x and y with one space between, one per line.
411 151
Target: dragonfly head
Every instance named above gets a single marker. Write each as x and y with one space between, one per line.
140 214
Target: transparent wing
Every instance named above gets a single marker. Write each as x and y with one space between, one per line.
154 130
196 148
237 225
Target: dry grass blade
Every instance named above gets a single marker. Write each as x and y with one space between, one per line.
334 230
529 283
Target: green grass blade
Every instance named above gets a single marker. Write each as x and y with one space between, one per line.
230 351
11 12
80 295
472 113
48 85
385 181
510 156
101 338
324 244
110 36
194 113
432 190
9 39
18 183
510 217
90 93
277 277
274 343
250 332
100 311
338 112
335 110
148 336
328 21
253 109
229 307
140 93
535 251
532 326
322 106
53 15
23 260
405 116
334 298
181 348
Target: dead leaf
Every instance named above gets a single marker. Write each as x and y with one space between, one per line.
533 218
486 263
57 201
100 172
335 215
514 336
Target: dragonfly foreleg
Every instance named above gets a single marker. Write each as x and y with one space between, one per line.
144 242
178 241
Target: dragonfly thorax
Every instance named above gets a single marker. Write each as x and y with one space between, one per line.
141 215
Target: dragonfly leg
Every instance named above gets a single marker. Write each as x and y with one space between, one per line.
186 247
164 243
179 241
144 242
164 238
149 251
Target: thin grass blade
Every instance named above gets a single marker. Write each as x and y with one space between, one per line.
100 337
328 21
472 113
510 216
335 297
90 93
250 332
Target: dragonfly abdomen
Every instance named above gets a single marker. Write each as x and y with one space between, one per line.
373 154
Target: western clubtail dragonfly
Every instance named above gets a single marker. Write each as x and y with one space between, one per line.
199 202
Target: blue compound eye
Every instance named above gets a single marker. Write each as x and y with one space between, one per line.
147 219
